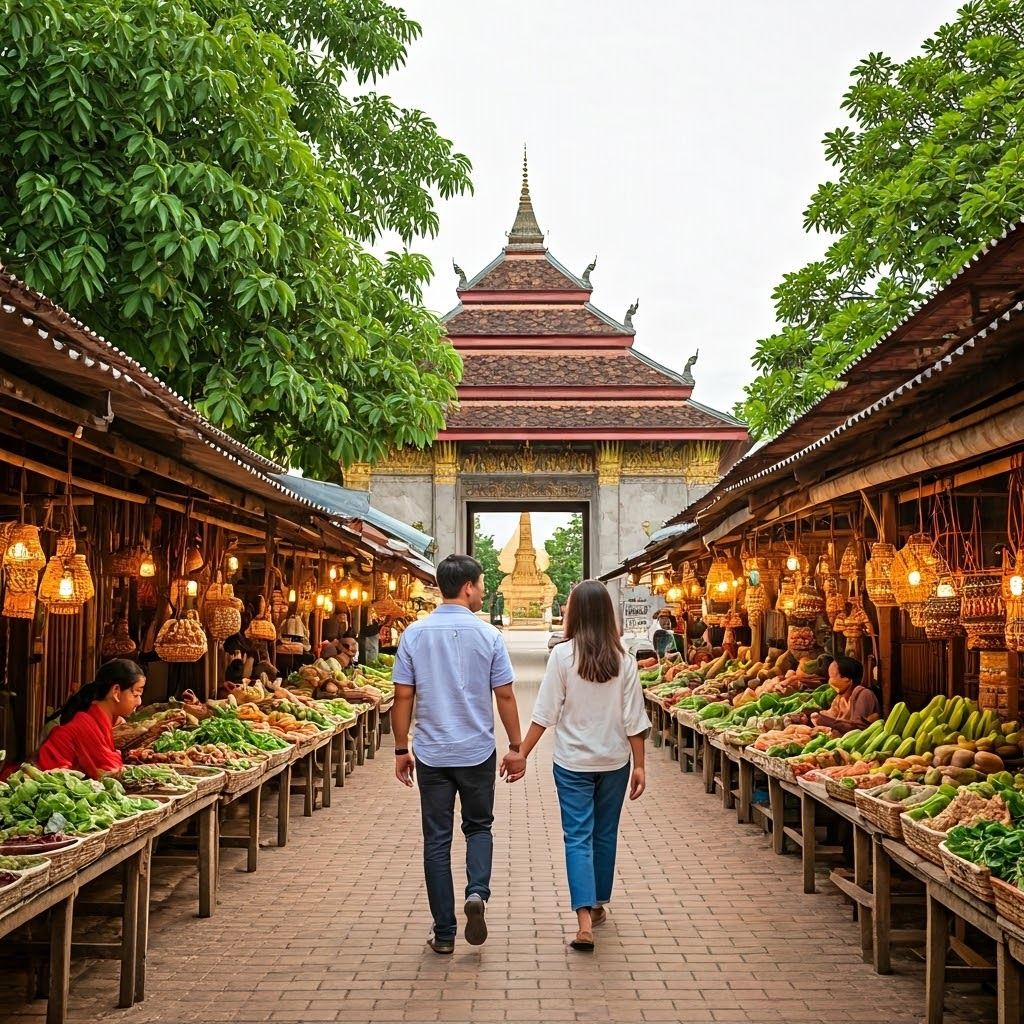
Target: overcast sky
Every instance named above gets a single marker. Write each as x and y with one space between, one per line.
679 142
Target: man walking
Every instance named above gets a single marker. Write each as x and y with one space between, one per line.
450 663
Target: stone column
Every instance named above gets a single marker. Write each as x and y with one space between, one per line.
446 470
604 539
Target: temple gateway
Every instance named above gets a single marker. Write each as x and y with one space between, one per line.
557 411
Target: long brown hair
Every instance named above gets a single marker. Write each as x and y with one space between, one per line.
590 624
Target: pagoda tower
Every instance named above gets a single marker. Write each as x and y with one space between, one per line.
557 410
527 591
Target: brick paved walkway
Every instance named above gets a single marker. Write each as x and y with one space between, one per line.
705 925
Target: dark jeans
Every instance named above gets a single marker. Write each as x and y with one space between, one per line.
475 788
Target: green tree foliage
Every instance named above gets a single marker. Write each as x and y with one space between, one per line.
486 554
565 551
199 180
930 168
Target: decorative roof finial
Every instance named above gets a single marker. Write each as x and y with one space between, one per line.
463 283
628 322
526 233
689 364
590 269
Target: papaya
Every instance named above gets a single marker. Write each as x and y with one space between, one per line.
943 755
988 763
962 758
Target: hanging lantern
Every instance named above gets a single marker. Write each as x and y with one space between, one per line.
1013 576
18 604
877 572
192 588
320 600
809 604
719 579
942 611
914 575
232 563
23 547
147 565
292 596
66 585
786 600
354 594
849 565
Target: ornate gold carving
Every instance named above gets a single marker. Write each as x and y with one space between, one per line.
526 459
357 476
694 461
446 462
526 488
406 462
609 463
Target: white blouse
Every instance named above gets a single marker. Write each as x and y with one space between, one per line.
592 721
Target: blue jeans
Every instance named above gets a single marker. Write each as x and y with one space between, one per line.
591 803
475 788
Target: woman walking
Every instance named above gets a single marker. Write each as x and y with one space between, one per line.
591 696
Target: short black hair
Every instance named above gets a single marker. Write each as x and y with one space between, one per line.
850 669
235 672
455 571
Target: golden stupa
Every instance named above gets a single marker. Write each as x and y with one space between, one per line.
527 591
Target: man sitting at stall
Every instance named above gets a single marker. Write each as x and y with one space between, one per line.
84 741
855 705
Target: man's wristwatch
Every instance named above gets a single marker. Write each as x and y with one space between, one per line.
400 751
514 746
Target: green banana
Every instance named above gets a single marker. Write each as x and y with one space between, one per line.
892 723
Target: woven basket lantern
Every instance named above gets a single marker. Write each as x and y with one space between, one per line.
786 600
222 611
876 576
914 575
21 579
19 605
124 562
1013 576
809 604
942 611
849 565
66 585
23 547
983 610
835 602
856 624
181 639
1015 624
719 574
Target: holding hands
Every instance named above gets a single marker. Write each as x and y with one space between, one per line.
513 766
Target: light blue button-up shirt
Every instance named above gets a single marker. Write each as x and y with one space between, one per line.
454 660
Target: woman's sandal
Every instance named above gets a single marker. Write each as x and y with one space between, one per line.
598 915
584 941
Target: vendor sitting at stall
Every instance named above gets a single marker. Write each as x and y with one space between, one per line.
84 741
234 676
855 705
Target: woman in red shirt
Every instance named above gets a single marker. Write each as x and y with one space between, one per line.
84 740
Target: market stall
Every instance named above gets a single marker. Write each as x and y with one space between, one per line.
883 526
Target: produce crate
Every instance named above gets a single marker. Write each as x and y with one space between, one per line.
67 861
1009 901
922 839
30 881
841 793
975 878
207 778
777 767
882 814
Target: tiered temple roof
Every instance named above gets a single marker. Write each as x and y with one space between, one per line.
542 362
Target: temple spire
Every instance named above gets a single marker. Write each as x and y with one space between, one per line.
526 233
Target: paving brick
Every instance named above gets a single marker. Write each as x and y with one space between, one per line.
706 925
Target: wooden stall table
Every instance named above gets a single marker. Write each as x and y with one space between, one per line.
341 749
656 712
729 777
687 741
1010 967
708 756
376 725
60 899
811 795
310 781
249 785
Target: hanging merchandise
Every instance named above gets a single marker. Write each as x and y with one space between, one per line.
835 602
1013 559
914 575
222 611
982 608
181 639
809 604
1015 624
856 623
67 582
877 572
116 642
261 628
756 601
942 609
786 601
719 580
849 566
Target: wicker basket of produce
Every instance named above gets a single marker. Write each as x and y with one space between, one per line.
122 831
207 780
975 878
1009 901
236 781
66 862
777 767
22 877
883 815
923 840
838 792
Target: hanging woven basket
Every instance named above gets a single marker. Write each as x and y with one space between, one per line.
1015 624
23 547
914 575
983 610
876 575
786 600
124 562
181 639
849 565
222 611
1013 577
116 642
261 628
756 600
810 603
22 579
66 585
719 576
19 604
